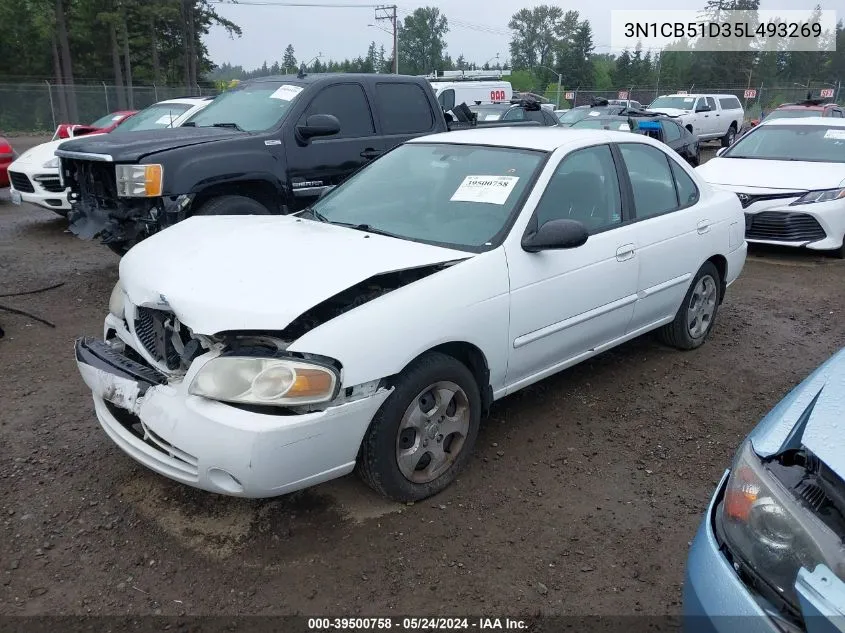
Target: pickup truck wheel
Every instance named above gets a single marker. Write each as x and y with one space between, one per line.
424 433
697 313
729 137
232 205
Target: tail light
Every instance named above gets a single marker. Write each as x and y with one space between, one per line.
5 149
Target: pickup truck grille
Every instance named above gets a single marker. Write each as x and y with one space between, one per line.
93 181
783 227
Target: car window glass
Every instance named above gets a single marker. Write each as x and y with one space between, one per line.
651 179
447 99
584 187
687 191
671 132
404 108
700 103
711 102
349 104
514 114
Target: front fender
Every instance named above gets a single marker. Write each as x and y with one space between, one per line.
468 302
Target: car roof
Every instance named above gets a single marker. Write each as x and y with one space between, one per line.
542 138
701 94
310 78
805 106
809 121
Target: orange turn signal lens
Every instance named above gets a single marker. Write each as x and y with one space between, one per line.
743 490
310 383
153 180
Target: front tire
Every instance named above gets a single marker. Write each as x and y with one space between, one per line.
232 205
424 433
697 313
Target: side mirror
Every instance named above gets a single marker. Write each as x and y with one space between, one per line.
318 125
721 151
703 108
555 235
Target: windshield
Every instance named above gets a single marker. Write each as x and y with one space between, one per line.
603 124
253 108
108 120
488 114
156 117
678 103
460 196
574 115
793 114
812 143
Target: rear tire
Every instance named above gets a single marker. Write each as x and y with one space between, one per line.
729 137
232 205
420 425
697 314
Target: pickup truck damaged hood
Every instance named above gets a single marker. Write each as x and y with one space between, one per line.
258 272
132 147
813 411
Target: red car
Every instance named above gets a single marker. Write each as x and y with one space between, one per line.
801 109
7 155
103 125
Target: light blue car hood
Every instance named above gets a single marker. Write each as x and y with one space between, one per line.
812 414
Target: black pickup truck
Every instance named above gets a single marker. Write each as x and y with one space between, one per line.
272 145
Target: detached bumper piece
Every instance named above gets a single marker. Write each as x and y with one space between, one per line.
783 227
100 355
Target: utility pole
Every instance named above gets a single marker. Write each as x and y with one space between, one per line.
388 12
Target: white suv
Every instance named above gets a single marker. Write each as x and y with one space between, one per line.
708 116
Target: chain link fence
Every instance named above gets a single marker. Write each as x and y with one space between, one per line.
760 98
38 107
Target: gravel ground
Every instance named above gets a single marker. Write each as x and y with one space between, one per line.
582 498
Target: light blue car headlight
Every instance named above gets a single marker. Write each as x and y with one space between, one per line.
768 530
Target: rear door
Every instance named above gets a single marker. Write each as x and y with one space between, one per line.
326 161
672 230
404 111
712 122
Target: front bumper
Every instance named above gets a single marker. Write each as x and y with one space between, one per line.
214 446
818 226
38 186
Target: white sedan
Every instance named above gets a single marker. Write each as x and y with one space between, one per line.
789 175
34 176
254 356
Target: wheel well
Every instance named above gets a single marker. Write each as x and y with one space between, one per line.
721 265
734 125
474 359
259 190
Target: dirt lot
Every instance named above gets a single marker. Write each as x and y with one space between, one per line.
582 498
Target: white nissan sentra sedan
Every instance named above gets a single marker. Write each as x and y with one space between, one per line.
789 175
257 355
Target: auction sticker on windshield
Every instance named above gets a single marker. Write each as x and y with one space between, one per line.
286 92
487 189
838 135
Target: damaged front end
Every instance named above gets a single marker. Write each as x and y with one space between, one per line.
99 210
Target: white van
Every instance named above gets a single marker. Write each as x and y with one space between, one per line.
452 93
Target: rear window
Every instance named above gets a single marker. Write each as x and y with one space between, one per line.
729 103
405 108
797 113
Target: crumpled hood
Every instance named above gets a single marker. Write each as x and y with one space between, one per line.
132 147
259 272
824 433
745 175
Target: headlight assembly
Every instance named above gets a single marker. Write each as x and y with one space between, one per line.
264 381
822 195
53 163
116 303
139 181
765 526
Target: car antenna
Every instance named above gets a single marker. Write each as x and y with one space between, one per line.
301 72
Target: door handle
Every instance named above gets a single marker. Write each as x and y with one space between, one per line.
703 227
625 252
370 153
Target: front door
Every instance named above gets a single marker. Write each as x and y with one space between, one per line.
325 161
565 303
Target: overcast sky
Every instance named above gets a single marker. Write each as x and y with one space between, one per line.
478 29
